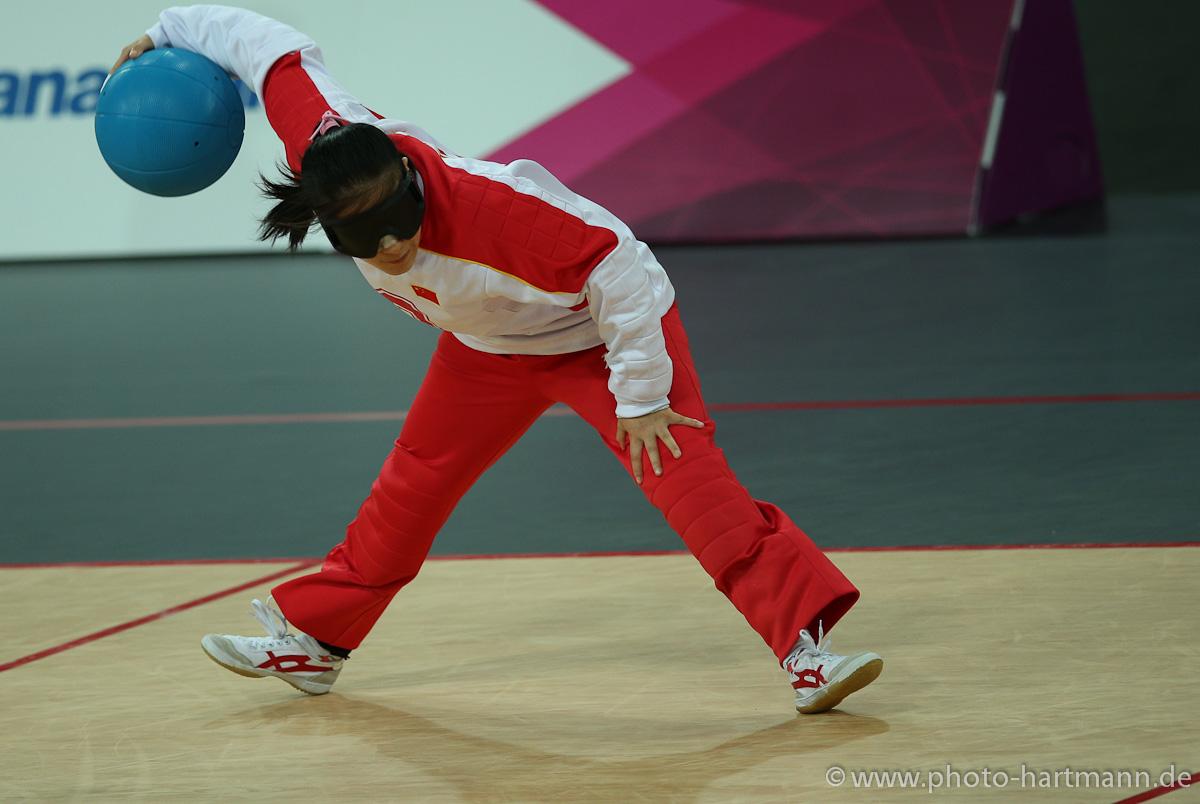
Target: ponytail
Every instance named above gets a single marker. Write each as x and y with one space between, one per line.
338 168
293 217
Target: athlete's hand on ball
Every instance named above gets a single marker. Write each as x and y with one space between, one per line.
644 432
133 50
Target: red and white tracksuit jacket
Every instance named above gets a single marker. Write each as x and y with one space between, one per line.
511 261
544 297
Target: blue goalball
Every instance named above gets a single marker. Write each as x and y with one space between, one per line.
169 122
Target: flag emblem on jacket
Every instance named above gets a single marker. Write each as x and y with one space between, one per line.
425 293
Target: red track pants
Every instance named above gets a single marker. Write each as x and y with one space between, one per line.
473 406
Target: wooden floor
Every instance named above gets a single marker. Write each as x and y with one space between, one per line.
610 679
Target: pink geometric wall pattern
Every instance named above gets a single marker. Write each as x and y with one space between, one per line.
745 119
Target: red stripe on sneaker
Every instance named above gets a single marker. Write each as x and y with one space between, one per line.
809 678
158 615
290 663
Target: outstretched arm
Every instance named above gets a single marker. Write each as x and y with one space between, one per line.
283 66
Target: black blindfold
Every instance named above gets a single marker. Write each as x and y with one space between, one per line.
398 215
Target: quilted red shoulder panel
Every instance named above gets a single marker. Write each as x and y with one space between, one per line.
481 220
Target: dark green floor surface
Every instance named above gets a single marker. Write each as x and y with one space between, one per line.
1115 313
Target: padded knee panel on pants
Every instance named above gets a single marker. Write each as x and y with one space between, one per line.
396 525
709 509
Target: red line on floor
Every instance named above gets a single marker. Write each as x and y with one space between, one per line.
201 421
1162 790
158 562
1032 546
158 615
886 549
957 402
904 548
559 410
301 564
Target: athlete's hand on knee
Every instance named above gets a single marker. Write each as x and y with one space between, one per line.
133 50
644 433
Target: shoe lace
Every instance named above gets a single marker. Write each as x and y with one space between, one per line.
276 624
819 649
271 618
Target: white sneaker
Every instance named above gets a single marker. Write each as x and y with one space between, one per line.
297 658
821 678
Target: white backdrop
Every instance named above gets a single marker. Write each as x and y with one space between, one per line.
475 74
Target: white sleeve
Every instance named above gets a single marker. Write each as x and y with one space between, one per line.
622 302
244 43
249 45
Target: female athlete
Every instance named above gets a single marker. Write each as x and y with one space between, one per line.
542 297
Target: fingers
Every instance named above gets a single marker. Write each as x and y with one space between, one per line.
636 447
655 460
127 53
131 52
644 437
635 458
669 440
690 422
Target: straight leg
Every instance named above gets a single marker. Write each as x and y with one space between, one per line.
769 569
471 407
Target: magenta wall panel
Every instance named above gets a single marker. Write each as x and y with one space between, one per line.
749 119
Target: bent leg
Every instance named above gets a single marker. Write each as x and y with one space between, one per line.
769 569
470 409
